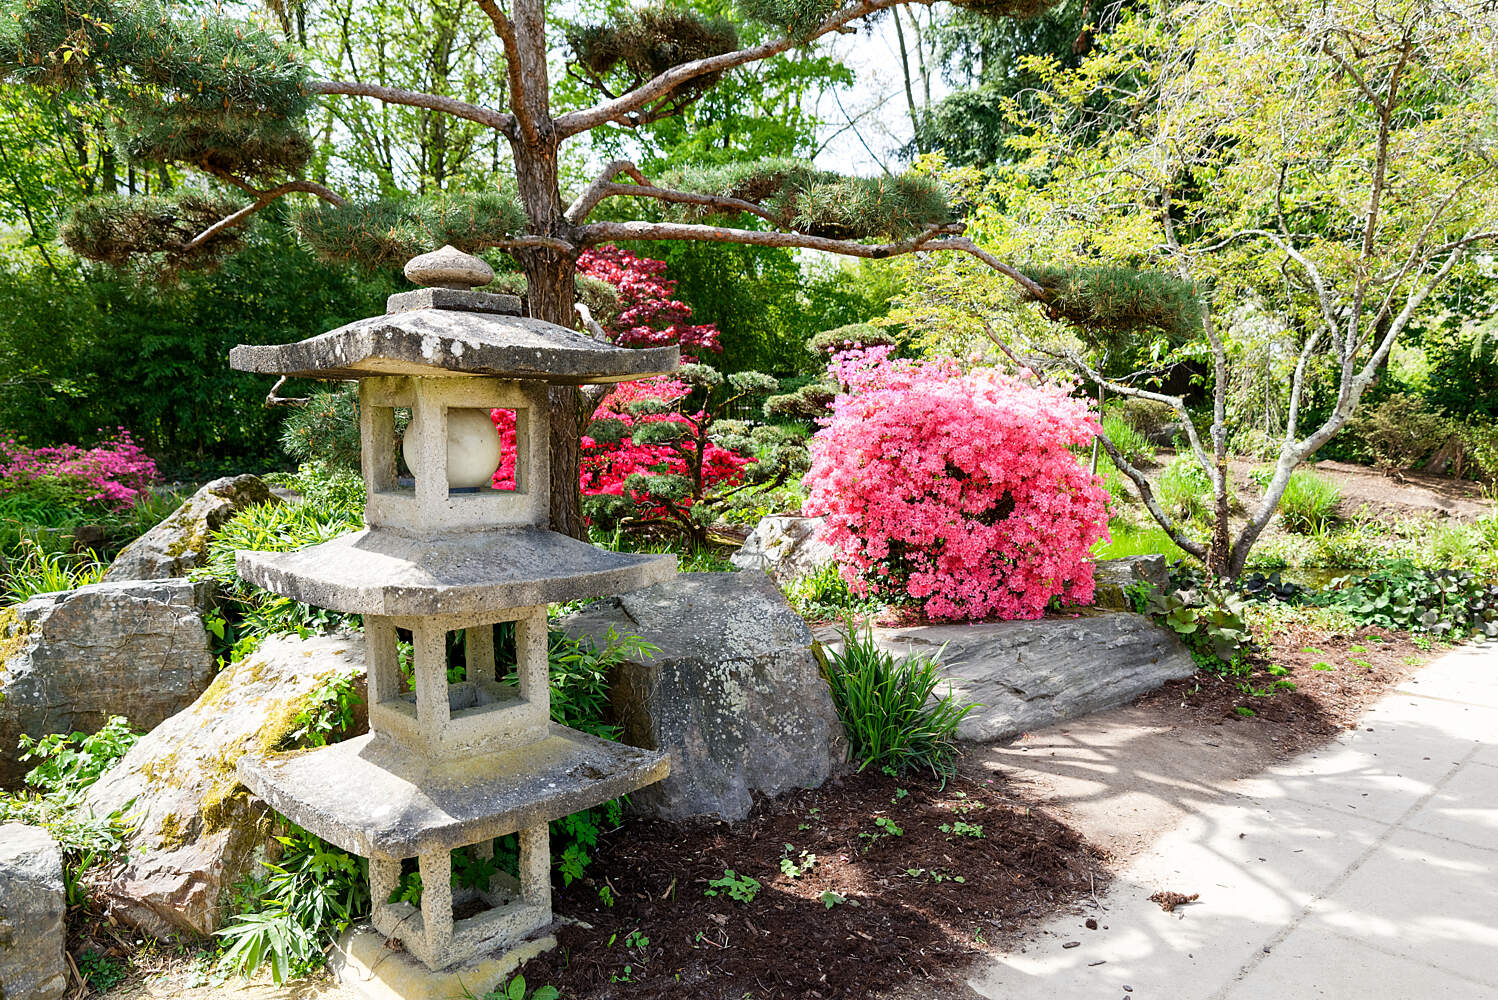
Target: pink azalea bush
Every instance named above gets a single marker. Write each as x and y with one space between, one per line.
113 473
957 489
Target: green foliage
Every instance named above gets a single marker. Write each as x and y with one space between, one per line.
332 504
579 673
118 229
797 18
819 202
852 335
516 988
1309 503
1444 603
640 43
808 402
823 595
1210 621
68 765
1134 446
1399 431
1113 303
889 705
325 430
739 888
1184 491
153 359
306 900
41 572
1130 541
100 971
388 232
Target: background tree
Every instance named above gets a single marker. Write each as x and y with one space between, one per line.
233 101
1329 165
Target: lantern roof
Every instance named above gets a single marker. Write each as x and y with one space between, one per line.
451 328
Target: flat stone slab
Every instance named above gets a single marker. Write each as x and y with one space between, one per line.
365 967
1027 674
460 340
388 573
378 800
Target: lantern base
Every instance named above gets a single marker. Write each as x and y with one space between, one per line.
364 966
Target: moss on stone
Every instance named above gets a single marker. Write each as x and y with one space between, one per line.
172 833
13 634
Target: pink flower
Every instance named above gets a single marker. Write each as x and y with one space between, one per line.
957 490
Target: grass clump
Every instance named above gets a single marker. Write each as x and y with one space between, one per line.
1309 504
889 706
1184 490
1133 445
41 572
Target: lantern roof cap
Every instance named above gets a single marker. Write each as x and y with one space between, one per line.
450 328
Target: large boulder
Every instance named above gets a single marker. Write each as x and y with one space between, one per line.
197 829
1111 577
1023 675
734 693
786 546
71 659
31 915
179 544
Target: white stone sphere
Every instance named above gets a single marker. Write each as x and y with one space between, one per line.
473 448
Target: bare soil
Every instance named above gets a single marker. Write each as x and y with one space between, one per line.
1386 495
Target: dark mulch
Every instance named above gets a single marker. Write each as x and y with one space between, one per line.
900 928
1363 664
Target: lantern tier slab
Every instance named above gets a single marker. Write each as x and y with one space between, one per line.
378 800
384 572
448 340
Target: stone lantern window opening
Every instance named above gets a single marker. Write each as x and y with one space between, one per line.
430 504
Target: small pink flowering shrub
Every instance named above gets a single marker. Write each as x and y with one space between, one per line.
957 490
111 474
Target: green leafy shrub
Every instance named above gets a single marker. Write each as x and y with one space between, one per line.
1309 503
823 594
1397 432
1210 621
889 706
41 572
1445 603
1146 416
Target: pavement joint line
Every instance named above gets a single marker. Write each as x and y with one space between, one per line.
1340 880
1413 957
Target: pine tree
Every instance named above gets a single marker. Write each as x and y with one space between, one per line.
231 100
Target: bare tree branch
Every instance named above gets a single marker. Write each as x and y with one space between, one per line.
262 199
498 120
506 32
604 232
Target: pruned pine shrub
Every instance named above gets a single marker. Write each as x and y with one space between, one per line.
1309 504
890 707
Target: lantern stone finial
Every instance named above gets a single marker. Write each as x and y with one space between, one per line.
449 267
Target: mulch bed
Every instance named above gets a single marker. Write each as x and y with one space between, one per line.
907 922
1364 664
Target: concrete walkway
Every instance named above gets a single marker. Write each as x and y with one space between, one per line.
1366 869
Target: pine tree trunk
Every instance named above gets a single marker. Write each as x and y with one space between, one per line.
549 293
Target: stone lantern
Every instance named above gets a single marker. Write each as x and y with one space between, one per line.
452 763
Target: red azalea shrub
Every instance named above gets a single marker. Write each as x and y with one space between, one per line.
112 474
957 489
651 315
606 466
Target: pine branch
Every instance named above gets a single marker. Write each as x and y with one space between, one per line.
263 198
506 32
604 187
617 109
607 232
497 120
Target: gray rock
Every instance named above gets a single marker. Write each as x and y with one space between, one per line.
734 694
786 546
1027 674
32 906
179 544
71 659
197 830
1111 576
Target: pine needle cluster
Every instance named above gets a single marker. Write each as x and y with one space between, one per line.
389 232
845 338
114 229
644 42
820 202
1110 302
798 18
211 92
